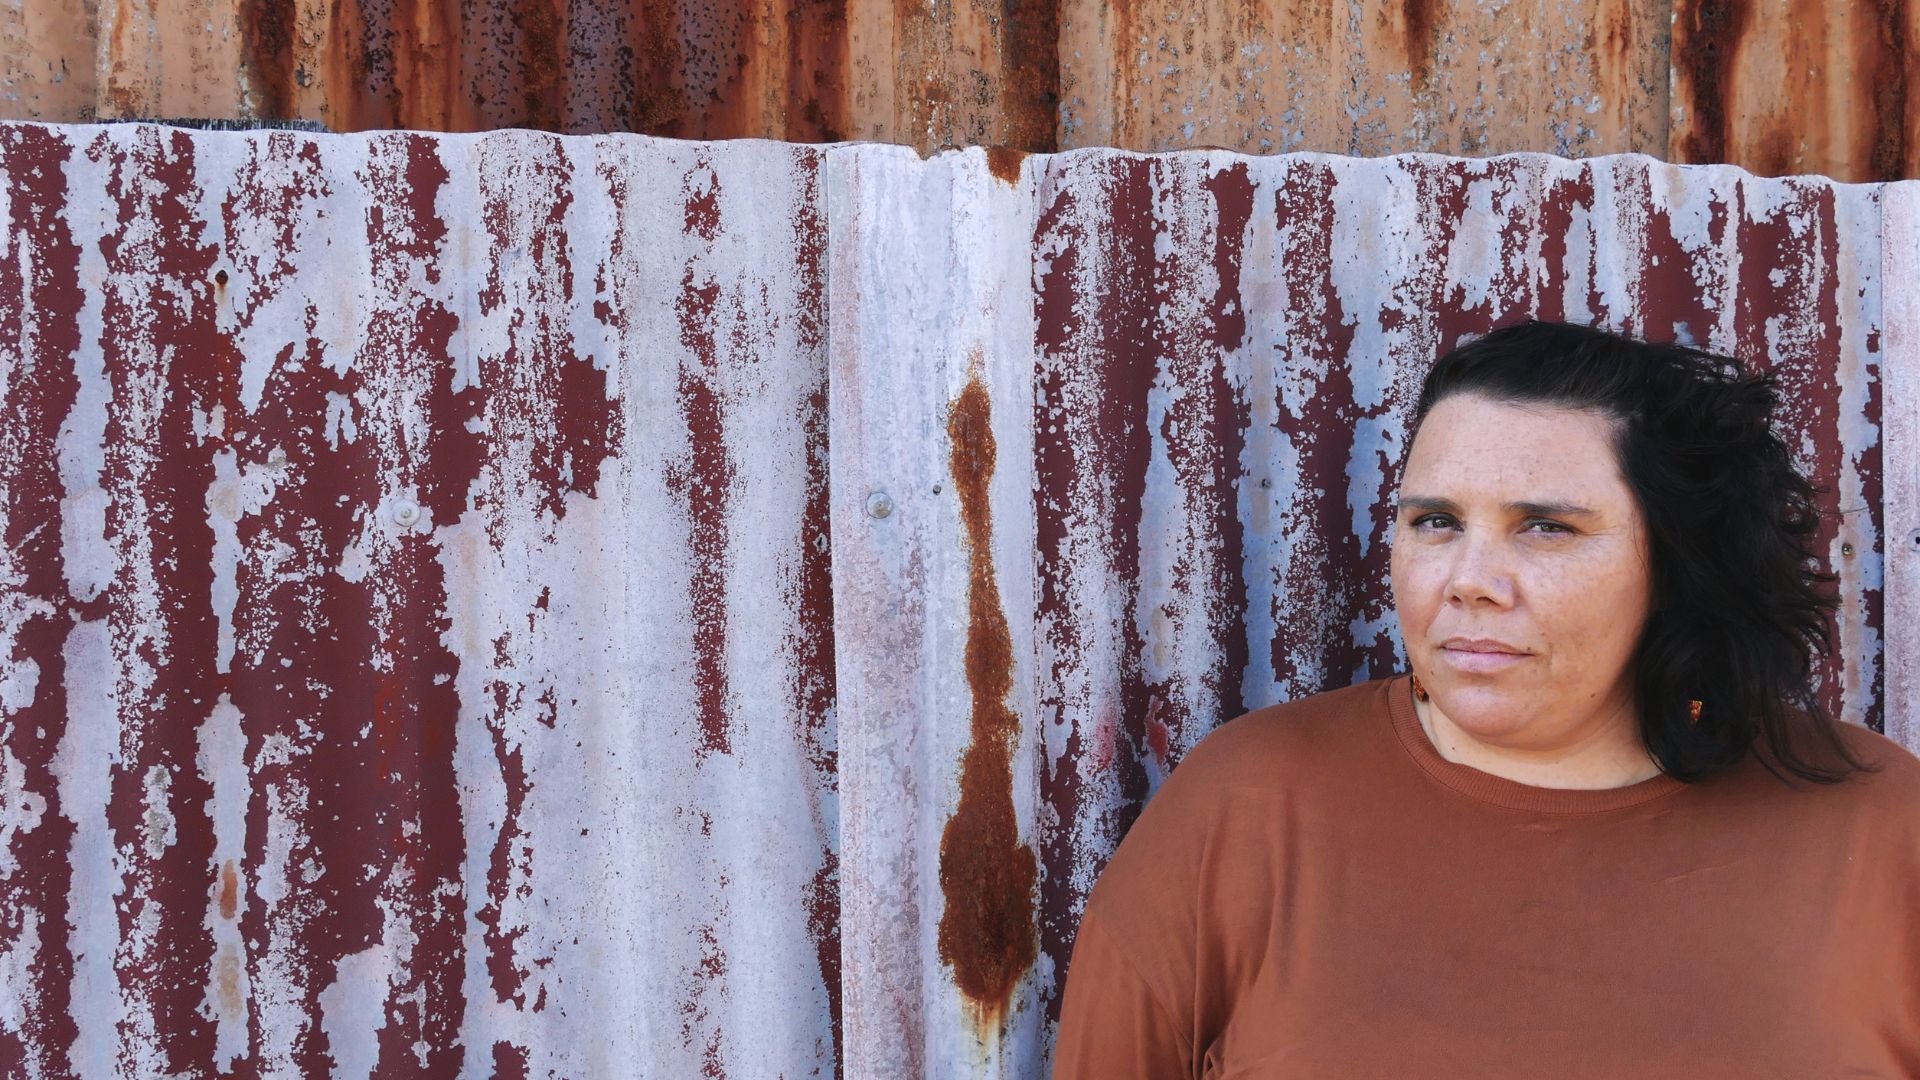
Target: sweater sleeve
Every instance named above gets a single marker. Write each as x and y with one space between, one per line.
1112 1024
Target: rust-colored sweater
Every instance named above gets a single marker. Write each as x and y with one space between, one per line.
1316 893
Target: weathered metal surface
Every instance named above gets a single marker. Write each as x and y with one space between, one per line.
1572 77
416 646
1900 341
932 404
437 639
1798 86
48 61
1777 86
1228 347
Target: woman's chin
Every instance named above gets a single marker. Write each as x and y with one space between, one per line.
1488 712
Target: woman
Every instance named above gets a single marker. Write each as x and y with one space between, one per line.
1603 829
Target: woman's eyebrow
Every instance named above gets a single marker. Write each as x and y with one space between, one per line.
1435 504
1549 509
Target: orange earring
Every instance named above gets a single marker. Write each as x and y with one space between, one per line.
1418 690
1693 712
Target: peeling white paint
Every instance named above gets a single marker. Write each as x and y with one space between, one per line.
222 762
83 767
159 833
17 981
353 1007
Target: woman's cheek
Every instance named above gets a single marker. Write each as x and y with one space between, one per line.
1418 580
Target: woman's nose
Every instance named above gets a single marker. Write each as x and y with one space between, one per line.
1480 573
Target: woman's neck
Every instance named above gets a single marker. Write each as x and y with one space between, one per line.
1609 756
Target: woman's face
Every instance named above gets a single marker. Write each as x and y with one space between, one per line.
1521 575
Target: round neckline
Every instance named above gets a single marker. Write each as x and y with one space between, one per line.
1499 790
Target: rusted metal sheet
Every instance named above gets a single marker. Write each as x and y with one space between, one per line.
524 605
932 432
417 656
169 57
1572 77
1798 86
805 70
1777 86
1901 404
48 61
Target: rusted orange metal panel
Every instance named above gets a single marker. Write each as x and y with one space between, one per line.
47 61
975 74
1798 86
799 70
1573 77
1777 86
176 58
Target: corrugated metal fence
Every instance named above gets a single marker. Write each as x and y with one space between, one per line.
518 605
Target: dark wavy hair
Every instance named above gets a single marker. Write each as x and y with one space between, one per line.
1742 611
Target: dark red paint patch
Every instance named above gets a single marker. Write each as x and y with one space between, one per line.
39 265
405 768
704 481
1098 350
156 526
811 645
510 1062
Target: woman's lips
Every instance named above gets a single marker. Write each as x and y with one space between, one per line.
1480 659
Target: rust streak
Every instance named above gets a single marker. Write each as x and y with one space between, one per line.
1030 73
266 29
986 874
819 101
229 890
1420 20
1892 134
540 27
1706 39
1004 162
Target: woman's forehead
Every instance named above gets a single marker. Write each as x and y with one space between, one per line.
1473 445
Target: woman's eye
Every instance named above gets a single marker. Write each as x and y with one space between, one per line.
1550 527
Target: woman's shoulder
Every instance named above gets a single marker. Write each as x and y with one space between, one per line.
1288 741
1181 833
1894 777
1882 800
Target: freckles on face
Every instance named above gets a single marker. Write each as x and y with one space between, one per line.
1519 560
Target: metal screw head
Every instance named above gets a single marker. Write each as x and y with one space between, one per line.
1846 549
879 504
1913 539
936 489
1266 481
820 543
406 513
